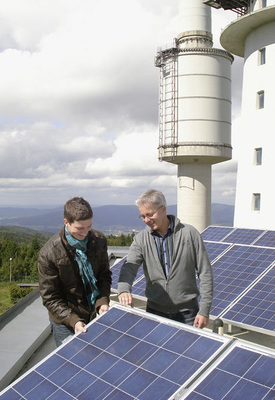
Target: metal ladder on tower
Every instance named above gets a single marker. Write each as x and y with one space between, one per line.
167 62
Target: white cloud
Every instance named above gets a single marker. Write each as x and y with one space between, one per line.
79 100
134 151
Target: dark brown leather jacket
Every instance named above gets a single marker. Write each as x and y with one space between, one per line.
60 283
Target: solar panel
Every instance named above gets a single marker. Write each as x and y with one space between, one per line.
215 249
239 236
244 372
267 239
126 354
216 233
116 271
243 236
257 307
235 271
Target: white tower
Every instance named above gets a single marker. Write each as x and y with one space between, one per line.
252 36
194 110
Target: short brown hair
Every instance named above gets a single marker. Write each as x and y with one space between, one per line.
77 209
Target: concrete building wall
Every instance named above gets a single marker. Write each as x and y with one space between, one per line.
255 181
258 4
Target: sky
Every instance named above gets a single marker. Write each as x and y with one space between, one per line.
79 101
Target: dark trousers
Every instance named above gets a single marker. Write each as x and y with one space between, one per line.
186 317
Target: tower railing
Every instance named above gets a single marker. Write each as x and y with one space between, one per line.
238 6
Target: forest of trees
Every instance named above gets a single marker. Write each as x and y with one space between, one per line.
18 261
122 240
19 253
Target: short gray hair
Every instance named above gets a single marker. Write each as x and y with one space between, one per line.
151 196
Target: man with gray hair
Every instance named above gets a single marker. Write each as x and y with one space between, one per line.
173 255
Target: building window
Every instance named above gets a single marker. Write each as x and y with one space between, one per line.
261 59
264 3
260 99
258 156
256 201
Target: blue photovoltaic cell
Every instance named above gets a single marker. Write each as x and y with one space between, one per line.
243 236
116 271
124 355
139 273
138 287
215 249
235 271
244 373
257 307
267 240
216 233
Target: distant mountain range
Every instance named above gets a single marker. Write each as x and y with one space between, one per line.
22 234
107 219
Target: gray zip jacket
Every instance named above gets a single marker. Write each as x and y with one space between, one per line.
179 290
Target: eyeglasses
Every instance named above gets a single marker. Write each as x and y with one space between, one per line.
149 215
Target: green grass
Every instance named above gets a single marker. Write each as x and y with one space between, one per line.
10 294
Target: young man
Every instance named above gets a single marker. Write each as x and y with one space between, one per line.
74 274
172 254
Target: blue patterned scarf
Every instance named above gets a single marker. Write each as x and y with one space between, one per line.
85 268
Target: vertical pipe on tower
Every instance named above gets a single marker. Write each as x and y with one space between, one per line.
194 15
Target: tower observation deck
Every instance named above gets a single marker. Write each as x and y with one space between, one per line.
238 6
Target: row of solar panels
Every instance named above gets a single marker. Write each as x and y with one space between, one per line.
244 276
128 354
257 237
